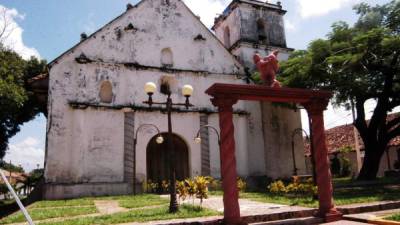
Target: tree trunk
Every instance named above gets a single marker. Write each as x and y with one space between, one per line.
372 159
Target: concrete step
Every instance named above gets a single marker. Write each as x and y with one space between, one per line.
297 221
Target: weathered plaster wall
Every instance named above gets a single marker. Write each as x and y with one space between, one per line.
246 52
273 22
85 149
279 123
156 25
233 22
86 146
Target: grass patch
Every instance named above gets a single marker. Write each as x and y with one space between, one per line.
284 200
395 217
63 203
48 213
137 201
140 215
348 181
341 196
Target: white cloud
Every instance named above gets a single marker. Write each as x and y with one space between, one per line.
27 153
207 9
90 26
311 8
12 37
289 25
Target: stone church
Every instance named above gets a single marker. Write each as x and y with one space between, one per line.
95 99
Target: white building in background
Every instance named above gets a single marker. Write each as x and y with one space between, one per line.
95 97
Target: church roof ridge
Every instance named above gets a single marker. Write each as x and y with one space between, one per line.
128 8
131 7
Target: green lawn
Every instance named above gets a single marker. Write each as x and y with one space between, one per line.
348 181
341 196
48 213
63 203
140 215
395 217
137 201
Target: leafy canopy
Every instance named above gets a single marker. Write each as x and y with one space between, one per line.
353 61
17 103
357 63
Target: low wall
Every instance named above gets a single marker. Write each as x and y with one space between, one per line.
68 191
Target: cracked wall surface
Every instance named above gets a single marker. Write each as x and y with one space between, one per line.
85 152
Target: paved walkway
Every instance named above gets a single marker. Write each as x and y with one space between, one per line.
371 217
344 222
107 207
247 207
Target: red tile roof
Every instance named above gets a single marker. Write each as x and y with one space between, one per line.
343 136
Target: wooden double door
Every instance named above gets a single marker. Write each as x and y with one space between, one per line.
158 162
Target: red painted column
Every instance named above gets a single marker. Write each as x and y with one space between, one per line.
327 209
228 160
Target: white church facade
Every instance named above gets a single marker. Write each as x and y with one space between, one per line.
95 100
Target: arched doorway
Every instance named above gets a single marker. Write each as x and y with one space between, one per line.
158 164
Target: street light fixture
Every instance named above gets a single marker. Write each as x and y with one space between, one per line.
159 140
197 139
296 131
187 91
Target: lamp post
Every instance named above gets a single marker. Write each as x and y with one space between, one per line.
159 140
295 131
197 139
187 91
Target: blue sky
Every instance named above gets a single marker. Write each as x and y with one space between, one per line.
47 28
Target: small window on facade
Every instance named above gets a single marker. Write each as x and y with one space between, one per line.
227 37
106 93
167 57
261 30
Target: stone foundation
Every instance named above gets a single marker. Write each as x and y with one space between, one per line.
68 191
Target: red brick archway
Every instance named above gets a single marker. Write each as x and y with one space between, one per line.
315 102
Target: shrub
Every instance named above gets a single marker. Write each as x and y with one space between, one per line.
214 184
181 190
201 188
241 184
294 188
165 186
345 167
153 187
191 187
277 187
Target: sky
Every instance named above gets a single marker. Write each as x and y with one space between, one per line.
47 28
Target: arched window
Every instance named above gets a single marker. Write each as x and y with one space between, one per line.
106 93
261 30
167 57
227 37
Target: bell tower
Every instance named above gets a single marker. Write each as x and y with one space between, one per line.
249 26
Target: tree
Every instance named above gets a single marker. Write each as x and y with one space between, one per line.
11 167
17 104
6 27
358 63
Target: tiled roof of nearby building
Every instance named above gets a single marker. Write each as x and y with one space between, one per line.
14 176
343 136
